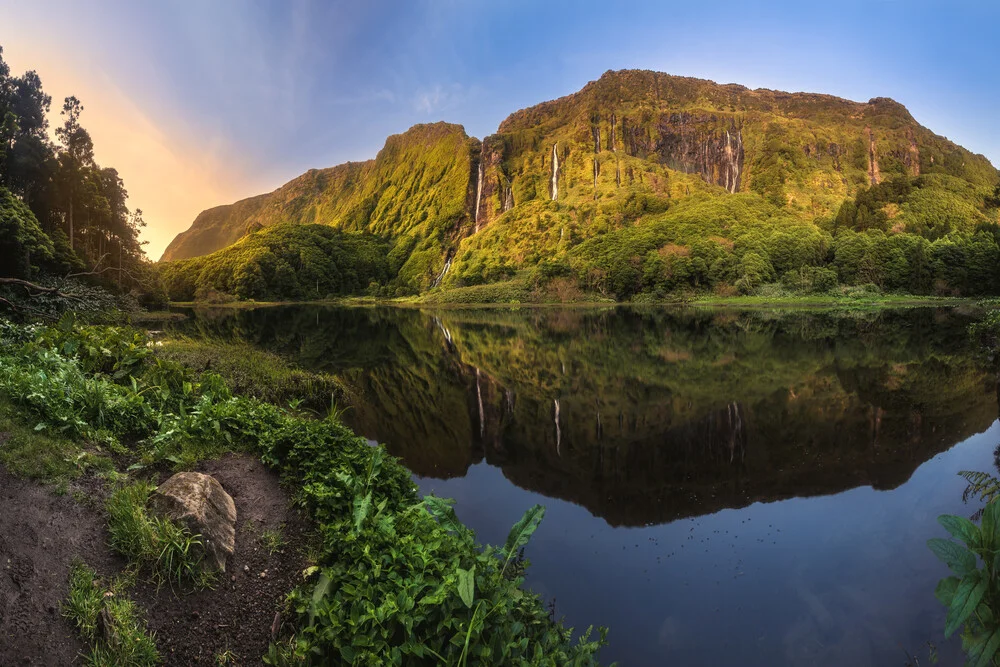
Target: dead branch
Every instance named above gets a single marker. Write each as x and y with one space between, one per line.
93 271
29 286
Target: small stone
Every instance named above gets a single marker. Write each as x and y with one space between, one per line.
246 568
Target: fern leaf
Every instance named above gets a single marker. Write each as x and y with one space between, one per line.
981 485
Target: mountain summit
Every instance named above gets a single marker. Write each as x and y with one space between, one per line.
631 144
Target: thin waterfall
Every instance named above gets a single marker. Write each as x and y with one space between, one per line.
437 281
482 413
558 428
555 172
479 194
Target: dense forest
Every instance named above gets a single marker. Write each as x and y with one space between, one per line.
642 186
61 213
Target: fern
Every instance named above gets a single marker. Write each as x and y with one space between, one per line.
981 485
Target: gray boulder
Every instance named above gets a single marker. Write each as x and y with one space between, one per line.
198 502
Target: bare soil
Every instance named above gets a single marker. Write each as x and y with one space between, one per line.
41 533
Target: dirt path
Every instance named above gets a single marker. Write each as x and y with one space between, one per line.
41 534
237 615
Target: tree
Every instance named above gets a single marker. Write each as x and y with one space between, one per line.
77 154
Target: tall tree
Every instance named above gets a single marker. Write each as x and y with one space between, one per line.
77 155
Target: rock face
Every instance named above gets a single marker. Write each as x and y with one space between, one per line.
198 502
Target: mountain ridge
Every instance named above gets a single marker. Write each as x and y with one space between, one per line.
627 146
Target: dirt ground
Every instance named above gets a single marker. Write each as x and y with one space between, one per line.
41 533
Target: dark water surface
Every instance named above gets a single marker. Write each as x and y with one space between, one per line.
722 487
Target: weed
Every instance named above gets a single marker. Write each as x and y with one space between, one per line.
108 621
272 541
226 658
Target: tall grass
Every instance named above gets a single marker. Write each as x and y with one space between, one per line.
171 553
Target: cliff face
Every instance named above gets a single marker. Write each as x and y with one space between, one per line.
629 134
415 192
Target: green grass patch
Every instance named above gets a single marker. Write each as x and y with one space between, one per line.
28 452
250 371
108 621
168 551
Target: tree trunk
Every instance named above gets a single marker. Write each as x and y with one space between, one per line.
71 223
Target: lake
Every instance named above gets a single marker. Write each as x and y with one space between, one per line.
721 486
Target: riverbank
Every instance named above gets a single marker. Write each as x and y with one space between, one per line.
98 403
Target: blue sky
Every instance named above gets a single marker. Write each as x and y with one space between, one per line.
201 102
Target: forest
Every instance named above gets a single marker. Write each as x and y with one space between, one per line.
61 213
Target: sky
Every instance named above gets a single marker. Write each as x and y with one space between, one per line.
202 102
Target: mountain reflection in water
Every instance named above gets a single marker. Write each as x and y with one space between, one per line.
647 416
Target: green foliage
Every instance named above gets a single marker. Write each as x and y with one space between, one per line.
982 485
108 621
167 550
283 262
971 594
23 244
412 195
59 210
392 583
251 371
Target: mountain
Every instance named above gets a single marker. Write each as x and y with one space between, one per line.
636 162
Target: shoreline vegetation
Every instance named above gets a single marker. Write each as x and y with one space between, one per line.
710 301
393 578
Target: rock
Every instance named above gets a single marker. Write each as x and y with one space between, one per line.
198 502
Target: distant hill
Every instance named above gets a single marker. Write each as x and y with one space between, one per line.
670 159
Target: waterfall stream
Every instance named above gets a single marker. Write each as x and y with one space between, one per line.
479 194
437 281
555 172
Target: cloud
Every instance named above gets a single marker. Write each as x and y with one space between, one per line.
438 98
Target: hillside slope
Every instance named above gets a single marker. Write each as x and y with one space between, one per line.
628 151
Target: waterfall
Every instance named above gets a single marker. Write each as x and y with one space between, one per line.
555 172
558 429
508 200
447 265
732 151
595 177
479 194
509 398
482 413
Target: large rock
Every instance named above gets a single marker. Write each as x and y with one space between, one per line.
199 502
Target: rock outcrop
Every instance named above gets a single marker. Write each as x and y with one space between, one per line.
198 502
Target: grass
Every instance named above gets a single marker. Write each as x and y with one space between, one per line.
869 300
171 553
108 621
31 453
272 540
250 371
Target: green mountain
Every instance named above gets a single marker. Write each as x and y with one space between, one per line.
644 182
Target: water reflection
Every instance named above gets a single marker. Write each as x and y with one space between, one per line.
645 416
722 488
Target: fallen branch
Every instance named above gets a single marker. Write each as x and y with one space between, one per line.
29 286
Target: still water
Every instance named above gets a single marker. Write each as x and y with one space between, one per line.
722 487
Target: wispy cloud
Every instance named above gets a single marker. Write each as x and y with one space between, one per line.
438 98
